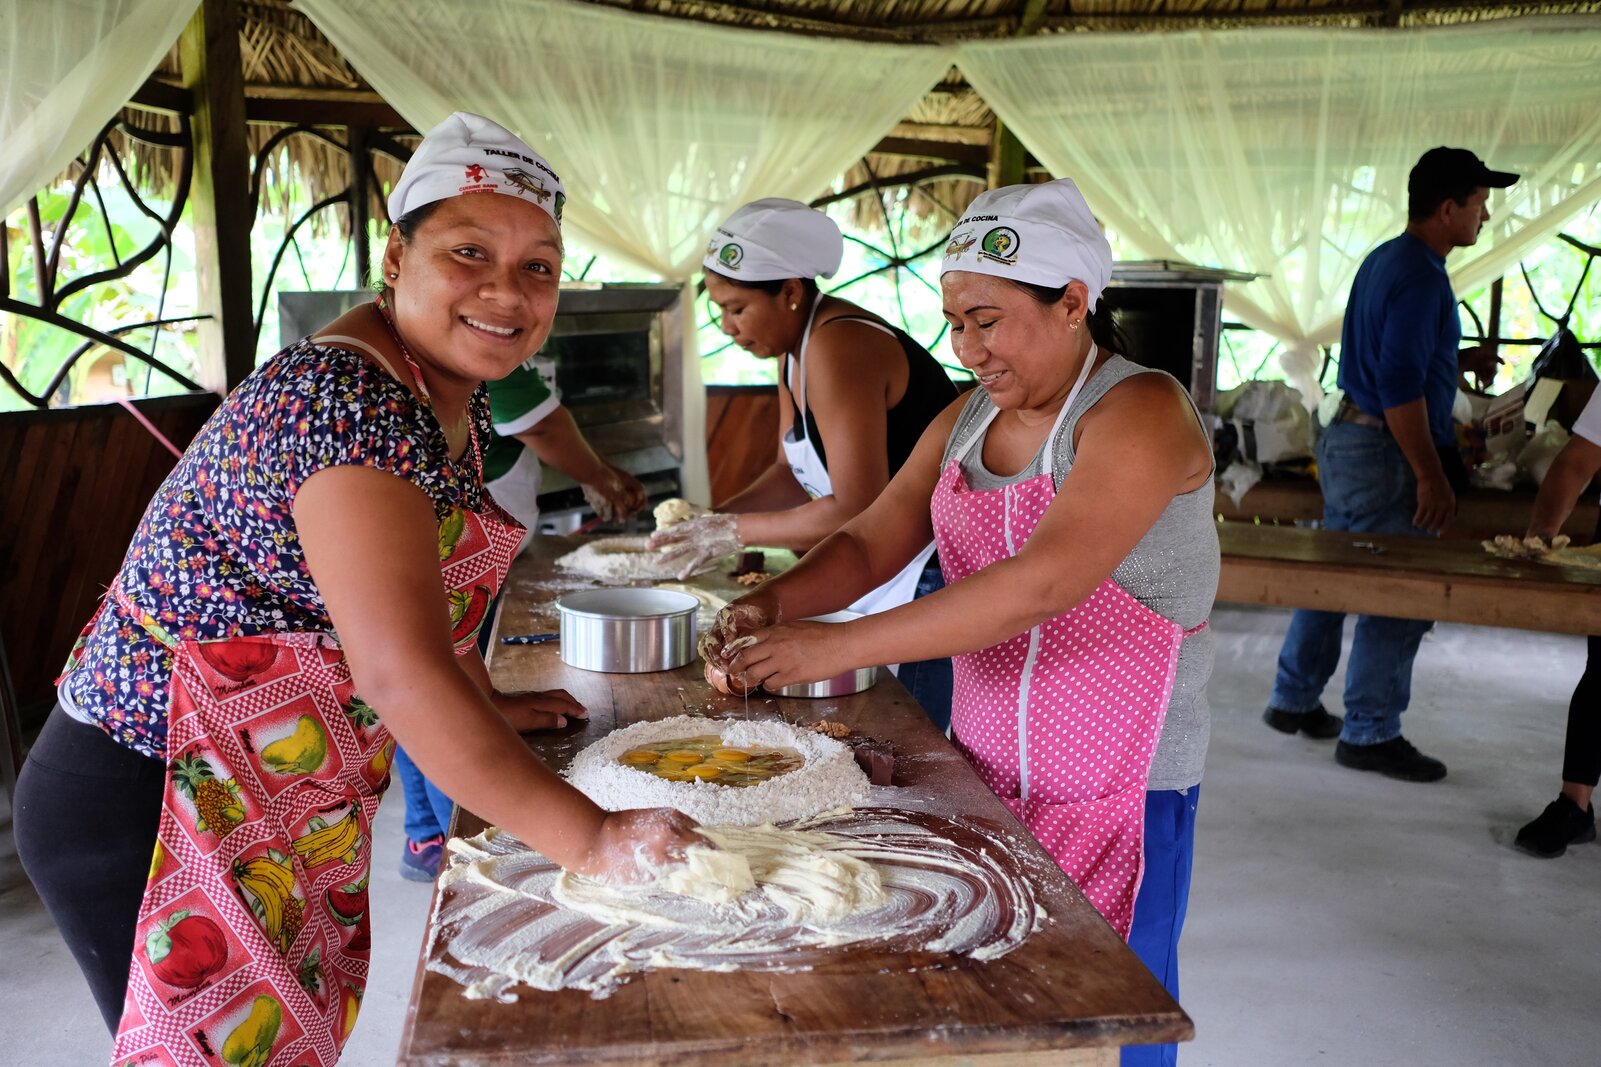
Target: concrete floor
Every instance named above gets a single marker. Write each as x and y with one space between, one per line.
1337 918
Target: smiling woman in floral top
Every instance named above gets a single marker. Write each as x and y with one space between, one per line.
326 535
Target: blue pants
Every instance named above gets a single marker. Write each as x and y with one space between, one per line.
929 681
428 810
1163 900
1368 487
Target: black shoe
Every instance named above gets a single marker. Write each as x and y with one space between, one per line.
1316 723
1561 824
1395 758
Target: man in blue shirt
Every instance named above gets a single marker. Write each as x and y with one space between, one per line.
1380 462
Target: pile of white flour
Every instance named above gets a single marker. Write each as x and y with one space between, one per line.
626 558
828 779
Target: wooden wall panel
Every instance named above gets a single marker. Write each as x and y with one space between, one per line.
741 435
73 485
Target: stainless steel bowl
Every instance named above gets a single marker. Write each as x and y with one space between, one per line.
627 631
841 684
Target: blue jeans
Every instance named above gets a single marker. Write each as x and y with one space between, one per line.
929 681
428 810
1163 901
1368 487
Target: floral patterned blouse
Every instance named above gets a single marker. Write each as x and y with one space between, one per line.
216 553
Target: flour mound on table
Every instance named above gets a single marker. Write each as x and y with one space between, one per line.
808 876
829 777
627 558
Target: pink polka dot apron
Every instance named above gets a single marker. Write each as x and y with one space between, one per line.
253 937
1062 721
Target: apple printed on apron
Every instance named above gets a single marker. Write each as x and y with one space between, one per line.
253 936
1061 721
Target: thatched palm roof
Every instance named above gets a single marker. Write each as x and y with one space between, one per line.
289 64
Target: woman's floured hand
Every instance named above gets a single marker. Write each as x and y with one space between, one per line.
550 709
794 654
695 542
615 497
732 631
633 846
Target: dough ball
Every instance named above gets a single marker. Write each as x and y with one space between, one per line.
672 511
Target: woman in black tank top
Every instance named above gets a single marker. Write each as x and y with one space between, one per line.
855 395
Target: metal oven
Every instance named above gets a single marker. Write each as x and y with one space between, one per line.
615 359
1173 315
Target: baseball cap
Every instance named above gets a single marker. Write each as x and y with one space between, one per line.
1448 168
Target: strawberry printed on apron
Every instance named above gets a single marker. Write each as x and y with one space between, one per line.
254 936
1061 721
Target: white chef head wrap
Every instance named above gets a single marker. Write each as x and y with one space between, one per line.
773 239
1040 234
470 154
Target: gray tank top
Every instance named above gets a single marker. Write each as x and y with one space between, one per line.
1173 570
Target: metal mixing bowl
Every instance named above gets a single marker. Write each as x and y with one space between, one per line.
627 631
841 684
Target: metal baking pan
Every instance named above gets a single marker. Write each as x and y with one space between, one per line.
627 631
841 684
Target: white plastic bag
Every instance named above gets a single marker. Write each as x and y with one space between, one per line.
1271 422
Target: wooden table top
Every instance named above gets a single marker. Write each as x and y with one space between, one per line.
1481 513
1070 994
1404 577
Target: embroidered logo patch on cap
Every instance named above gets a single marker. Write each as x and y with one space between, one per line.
1001 245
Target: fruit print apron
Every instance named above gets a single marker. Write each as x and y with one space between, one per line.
809 471
1062 721
253 937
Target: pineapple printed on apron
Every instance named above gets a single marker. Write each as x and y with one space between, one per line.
254 936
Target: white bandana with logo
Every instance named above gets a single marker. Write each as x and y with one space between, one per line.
1039 234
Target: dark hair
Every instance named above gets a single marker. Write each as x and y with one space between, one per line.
771 288
1105 330
1422 203
408 225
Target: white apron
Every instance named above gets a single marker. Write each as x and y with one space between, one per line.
812 475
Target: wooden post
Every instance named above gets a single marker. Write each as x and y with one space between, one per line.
220 194
1007 157
1492 326
359 196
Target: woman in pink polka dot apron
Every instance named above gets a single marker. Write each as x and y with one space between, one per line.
1061 721
1063 676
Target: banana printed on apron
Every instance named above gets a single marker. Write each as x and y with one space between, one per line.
253 938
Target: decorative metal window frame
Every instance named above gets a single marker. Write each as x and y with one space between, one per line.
54 290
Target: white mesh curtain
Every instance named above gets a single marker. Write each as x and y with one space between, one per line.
1286 151
659 127
66 67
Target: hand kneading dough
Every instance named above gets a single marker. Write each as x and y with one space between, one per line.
807 874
